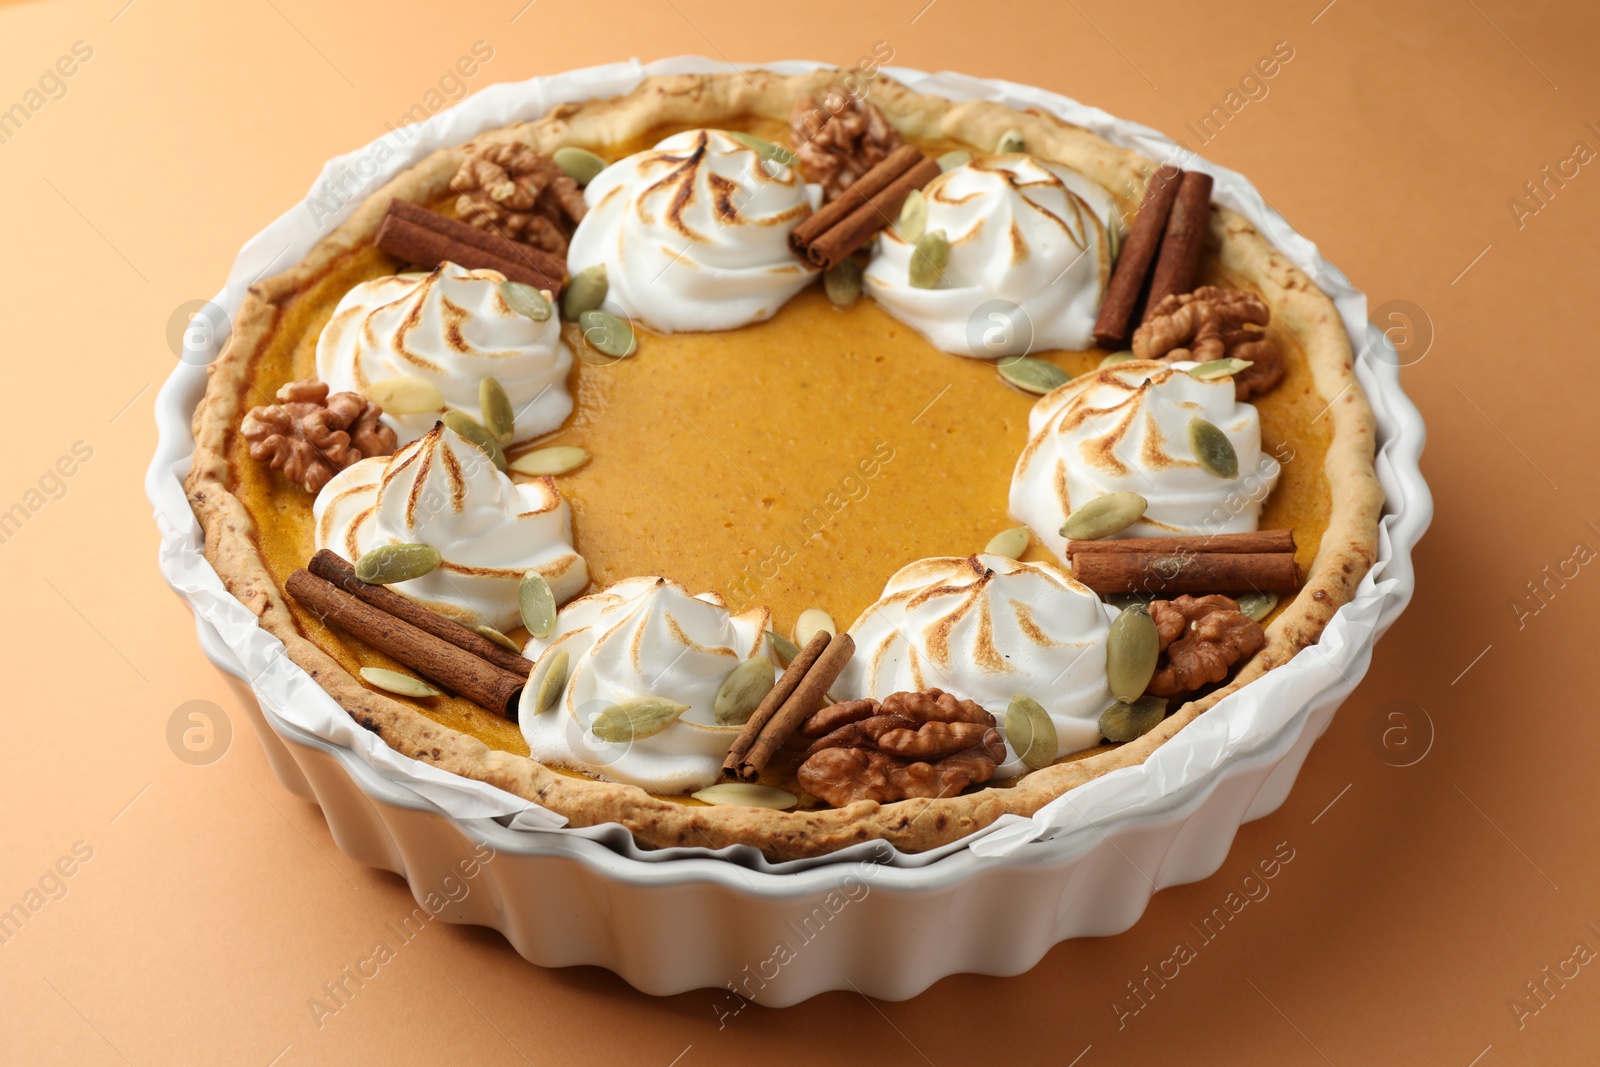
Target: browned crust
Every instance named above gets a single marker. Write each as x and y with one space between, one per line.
1347 550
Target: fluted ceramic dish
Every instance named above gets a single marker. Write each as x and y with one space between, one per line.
684 919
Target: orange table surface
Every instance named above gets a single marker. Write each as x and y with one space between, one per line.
1442 905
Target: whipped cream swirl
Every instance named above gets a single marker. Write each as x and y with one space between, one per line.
642 637
1126 428
1030 257
453 328
694 233
441 490
987 628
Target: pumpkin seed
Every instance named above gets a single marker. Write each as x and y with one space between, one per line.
1117 357
526 300
1010 543
1114 241
742 690
388 564
558 459
1213 449
474 431
746 795
809 623
397 683
958 158
1132 648
498 417
1104 516
777 153
1129 722
913 217
553 684
636 718
585 292
1258 605
786 649
1033 375
929 260
1127 600
842 282
1031 731
579 164
537 604
608 334
1218 368
1010 143
406 396
488 632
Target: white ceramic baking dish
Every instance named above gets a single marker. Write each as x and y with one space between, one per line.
777 934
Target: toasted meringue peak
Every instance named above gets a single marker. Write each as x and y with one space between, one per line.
1125 428
694 233
642 637
441 490
1024 234
987 628
453 328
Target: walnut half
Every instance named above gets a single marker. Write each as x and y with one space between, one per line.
1212 323
312 436
514 190
840 140
1201 638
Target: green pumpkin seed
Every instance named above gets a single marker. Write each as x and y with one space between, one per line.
558 459
474 431
1114 241
1213 449
491 634
1117 357
526 300
553 684
1104 516
928 262
913 217
1258 605
608 334
777 153
1129 722
537 604
1010 543
958 158
1218 368
636 718
397 683
1033 375
1127 600
585 292
746 795
498 417
842 282
579 164
810 622
406 396
742 690
1132 648
388 564
1010 143
1031 731
786 649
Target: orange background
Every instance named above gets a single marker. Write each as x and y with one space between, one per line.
1419 899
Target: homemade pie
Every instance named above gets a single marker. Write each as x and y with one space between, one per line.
1078 451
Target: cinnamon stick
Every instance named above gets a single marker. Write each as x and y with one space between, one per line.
414 234
800 705
432 657
871 204
338 571
1191 572
1138 253
788 682
1178 263
1252 541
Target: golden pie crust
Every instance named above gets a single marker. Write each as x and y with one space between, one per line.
1301 311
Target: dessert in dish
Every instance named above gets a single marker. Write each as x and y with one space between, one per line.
561 461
